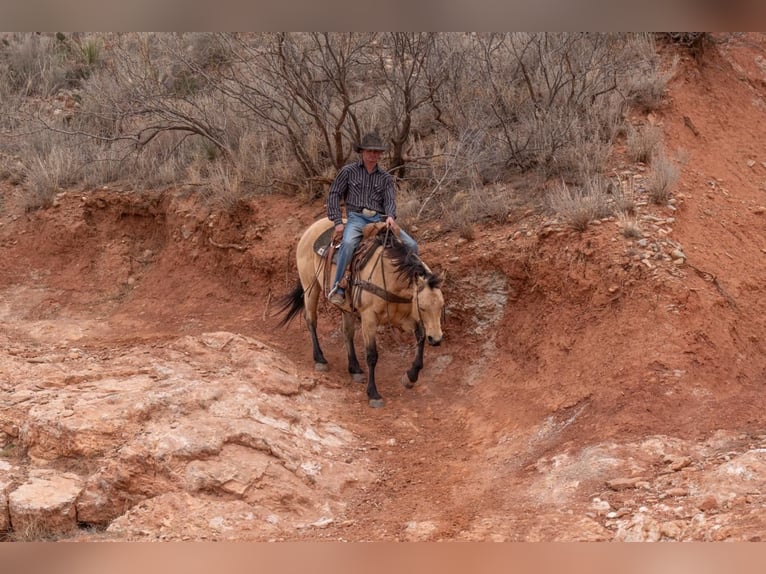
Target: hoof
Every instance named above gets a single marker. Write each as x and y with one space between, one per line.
358 377
377 403
321 367
407 382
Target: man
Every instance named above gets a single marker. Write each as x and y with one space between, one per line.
368 193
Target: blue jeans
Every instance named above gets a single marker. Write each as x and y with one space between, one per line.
352 235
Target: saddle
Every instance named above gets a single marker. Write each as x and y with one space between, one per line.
373 236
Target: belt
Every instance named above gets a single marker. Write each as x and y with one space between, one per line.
369 212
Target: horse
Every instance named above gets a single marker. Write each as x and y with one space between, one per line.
391 286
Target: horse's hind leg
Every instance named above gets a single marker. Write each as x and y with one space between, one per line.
411 376
311 299
353 363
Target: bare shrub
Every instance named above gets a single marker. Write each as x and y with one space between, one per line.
644 83
577 207
52 164
225 191
164 161
663 177
466 208
581 158
254 155
34 65
623 196
450 163
568 93
642 142
697 43
629 226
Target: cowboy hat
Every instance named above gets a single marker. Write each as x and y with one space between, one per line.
371 141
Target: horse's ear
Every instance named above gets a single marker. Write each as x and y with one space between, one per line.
433 280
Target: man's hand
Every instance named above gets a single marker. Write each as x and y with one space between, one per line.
392 225
338 233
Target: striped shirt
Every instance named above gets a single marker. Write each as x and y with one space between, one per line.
360 190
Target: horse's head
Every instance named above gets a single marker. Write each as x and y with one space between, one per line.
429 303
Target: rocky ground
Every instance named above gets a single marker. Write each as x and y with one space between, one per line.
591 386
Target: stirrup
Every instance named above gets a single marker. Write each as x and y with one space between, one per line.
335 290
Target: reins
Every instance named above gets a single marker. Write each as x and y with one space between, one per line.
383 292
358 284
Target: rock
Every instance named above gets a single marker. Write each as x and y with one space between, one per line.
625 483
45 504
708 503
600 506
677 491
419 531
641 528
102 499
671 529
676 464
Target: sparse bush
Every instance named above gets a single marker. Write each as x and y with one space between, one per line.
47 174
662 178
566 100
34 66
208 51
581 159
52 162
642 142
463 209
225 190
644 85
629 226
577 207
623 196
696 42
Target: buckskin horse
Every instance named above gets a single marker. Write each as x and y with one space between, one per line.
389 285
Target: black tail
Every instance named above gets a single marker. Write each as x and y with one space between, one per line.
291 304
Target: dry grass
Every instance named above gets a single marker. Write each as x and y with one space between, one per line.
623 195
462 210
35 529
629 226
225 190
642 142
663 177
47 173
577 207
34 65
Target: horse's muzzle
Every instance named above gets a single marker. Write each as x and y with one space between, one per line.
434 342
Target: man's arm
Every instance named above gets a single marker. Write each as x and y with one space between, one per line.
389 198
337 190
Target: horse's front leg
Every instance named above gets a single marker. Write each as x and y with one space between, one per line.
374 398
371 356
411 376
353 363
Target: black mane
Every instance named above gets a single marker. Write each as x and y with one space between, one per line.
409 266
